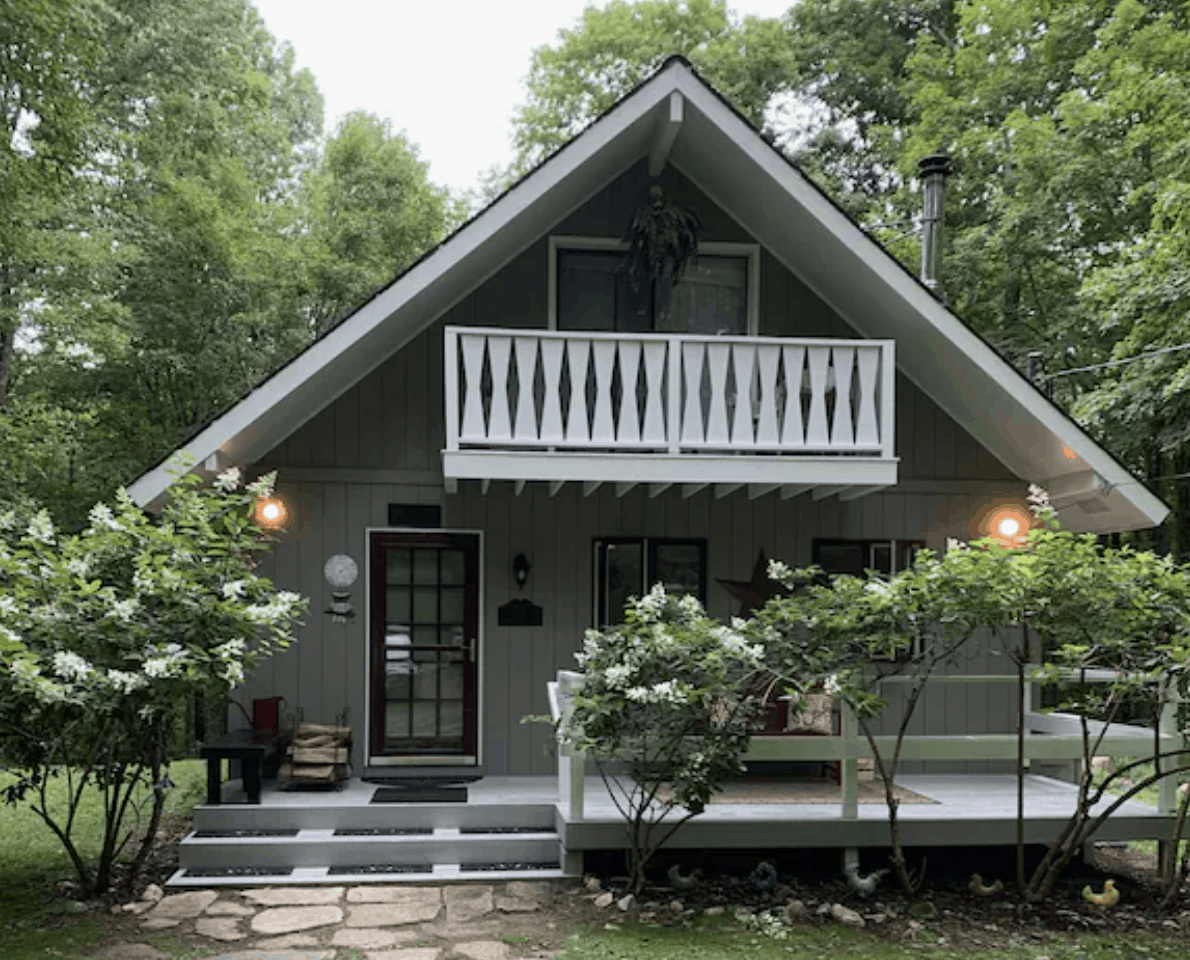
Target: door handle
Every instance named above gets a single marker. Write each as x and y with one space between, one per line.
471 644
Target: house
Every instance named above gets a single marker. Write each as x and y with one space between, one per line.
469 439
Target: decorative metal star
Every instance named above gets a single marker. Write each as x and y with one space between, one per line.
753 594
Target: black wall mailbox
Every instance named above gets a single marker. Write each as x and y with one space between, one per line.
520 613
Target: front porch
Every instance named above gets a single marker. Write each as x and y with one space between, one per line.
521 821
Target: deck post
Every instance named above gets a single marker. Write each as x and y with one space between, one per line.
572 771
1167 791
850 743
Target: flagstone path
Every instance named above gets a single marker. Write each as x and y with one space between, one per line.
457 922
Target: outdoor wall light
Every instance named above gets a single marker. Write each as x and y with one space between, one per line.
340 572
520 570
1008 527
271 512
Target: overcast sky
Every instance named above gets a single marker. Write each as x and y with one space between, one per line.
447 72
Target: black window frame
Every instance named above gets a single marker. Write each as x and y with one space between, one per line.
656 289
649 550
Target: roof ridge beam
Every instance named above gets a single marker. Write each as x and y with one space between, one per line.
668 125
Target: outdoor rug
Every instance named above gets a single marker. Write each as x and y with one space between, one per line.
419 795
803 790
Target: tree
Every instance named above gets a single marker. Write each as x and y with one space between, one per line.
372 212
853 634
665 694
48 50
615 47
102 635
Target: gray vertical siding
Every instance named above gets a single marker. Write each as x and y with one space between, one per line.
390 423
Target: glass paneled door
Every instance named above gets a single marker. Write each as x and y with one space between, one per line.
424 596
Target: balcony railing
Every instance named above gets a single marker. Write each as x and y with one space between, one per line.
538 390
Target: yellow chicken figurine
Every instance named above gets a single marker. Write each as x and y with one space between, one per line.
977 886
1109 898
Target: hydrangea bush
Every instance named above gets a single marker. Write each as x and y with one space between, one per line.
665 698
104 633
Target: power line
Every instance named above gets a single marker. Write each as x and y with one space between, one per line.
1113 363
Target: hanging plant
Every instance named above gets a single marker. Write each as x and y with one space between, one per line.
662 240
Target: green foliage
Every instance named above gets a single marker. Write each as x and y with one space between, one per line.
668 695
616 46
104 633
662 240
372 213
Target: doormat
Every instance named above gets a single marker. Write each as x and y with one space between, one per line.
420 781
786 790
420 795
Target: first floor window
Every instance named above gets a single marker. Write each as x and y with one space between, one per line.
853 557
628 567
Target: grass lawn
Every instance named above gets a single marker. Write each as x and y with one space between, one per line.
720 938
33 921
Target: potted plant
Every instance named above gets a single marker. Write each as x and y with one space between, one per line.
662 240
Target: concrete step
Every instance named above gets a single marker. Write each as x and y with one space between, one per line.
329 815
323 848
442 873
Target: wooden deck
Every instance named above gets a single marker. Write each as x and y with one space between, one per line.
970 809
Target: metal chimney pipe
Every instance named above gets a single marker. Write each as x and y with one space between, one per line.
933 171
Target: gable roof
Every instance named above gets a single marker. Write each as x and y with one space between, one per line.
782 209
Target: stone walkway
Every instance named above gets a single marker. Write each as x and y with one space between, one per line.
461 921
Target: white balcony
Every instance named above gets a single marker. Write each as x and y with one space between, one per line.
762 412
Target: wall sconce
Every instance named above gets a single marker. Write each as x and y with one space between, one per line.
272 513
520 570
340 572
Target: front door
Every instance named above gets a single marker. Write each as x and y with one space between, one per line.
424 597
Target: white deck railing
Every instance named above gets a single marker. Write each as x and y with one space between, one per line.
541 389
1048 736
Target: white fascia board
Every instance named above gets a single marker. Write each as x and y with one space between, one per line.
978 361
227 432
661 467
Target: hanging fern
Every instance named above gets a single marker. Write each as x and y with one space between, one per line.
662 240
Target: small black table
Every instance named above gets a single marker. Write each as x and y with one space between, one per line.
252 748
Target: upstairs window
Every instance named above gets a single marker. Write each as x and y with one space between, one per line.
594 292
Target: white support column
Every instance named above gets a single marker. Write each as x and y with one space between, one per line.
850 727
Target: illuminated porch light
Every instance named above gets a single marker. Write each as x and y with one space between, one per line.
271 512
1008 527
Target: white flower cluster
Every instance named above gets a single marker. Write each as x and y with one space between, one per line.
101 517
41 527
228 481
70 666
126 683
653 603
734 643
1039 499
781 572
7 605
262 486
668 692
831 685
280 606
79 567
124 610
233 589
617 675
953 544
